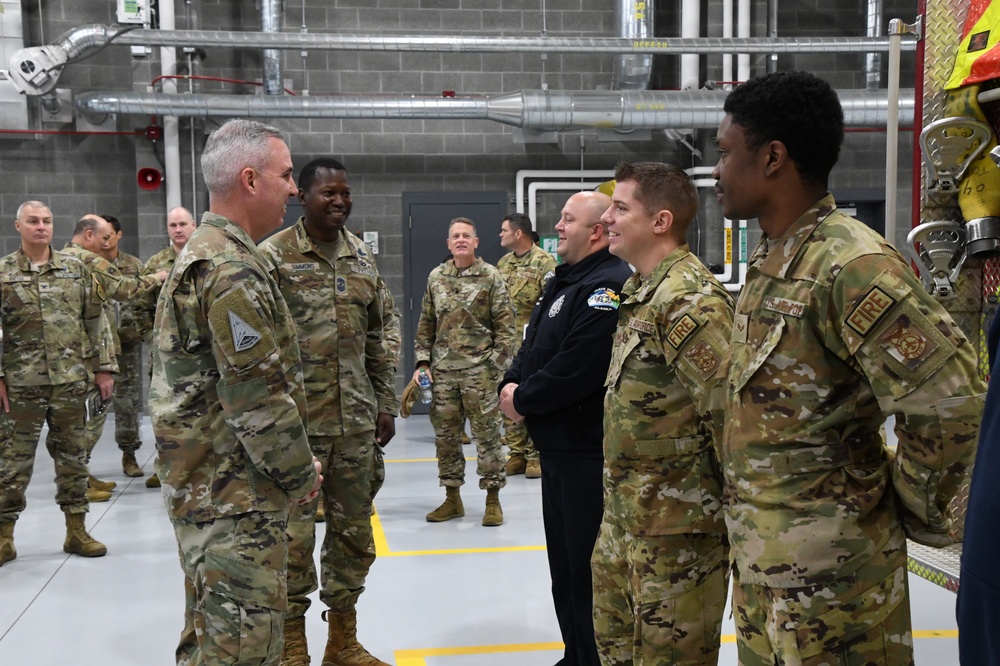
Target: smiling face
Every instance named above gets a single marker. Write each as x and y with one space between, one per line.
462 243
575 226
739 172
326 204
630 225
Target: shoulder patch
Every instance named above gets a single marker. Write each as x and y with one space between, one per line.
603 299
239 330
905 342
703 357
870 311
681 331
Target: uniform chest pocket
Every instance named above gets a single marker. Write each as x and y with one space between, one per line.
623 347
748 358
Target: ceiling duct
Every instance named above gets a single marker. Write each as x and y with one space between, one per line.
635 22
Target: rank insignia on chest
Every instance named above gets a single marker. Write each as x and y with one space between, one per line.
907 343
557 306
341 285
870 311
245 336
681 331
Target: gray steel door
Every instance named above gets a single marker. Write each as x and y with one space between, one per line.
425 230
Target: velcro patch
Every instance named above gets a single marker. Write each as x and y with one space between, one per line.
870 311
239 329
906 343
741 327
642 325
681 331
703 357
16 278
304 266
603 299
784 306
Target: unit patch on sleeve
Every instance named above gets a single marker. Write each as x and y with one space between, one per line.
239 329
870 311
703 357
681 331
906 343
245 336
603 299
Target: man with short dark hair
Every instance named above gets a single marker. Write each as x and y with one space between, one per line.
525 270
463 343
556 387
833 333
228 408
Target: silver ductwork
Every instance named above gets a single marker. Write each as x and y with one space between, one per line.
530 109
270 23
873 61
634 22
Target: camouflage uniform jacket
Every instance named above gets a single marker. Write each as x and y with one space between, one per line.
54 328
466 320
391 333
128 327
833 332
112 284
337 310
144 307
525 277
226 399
665 397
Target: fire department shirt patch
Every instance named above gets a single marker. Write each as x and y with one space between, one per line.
703 357
907 343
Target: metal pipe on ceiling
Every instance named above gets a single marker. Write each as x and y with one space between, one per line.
530 109
270 23
634 22
873 61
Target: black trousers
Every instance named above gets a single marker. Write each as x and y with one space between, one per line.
572 507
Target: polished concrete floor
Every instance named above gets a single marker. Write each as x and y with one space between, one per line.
445 594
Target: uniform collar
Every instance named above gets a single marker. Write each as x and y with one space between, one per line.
779 260
306 244
474 269
642 289
573 272
55 260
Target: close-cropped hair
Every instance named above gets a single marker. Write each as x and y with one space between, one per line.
661 186
462 220
113 221
308 174
85 224
238 144
520 222
798 109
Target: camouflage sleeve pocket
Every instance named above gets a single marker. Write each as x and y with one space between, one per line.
239 330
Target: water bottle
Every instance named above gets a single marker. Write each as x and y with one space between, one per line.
425 387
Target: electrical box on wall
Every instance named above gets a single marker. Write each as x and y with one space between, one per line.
371 238
133 11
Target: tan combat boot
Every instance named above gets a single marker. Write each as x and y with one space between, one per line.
494 514
94 495
533 470
342 647
153 481
97 484
452 507
130 466
516 464
78 541
7 552
295 652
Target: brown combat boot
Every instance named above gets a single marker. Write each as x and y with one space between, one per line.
7 552
153 481
130 466
494 514
342 647
452 507
533 470
97 484
295 652
516 464
78 541
94 495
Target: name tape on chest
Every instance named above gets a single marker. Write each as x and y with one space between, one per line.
784 306
303 266
870 311
642 325
681 331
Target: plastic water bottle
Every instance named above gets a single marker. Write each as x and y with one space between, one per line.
425 387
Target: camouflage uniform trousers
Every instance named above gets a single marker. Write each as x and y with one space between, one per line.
127 397
861 619
471 393
353 472
659 599
517 434
61 406
235 569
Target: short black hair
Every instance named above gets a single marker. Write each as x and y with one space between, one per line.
519 222
798 109
113 221
308 174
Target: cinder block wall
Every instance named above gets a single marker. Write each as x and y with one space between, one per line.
79 174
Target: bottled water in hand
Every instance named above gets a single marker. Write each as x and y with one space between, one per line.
424 382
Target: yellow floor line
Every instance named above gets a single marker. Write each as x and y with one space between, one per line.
418 657
417 460
382 545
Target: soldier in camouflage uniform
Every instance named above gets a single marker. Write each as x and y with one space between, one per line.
127 398
180 227
227 403
333 291
661 572
91 235
832 334
57 345
525 270
463 342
